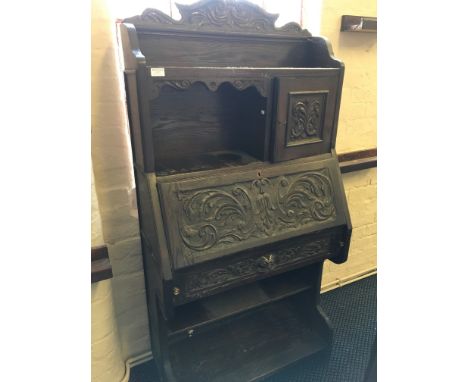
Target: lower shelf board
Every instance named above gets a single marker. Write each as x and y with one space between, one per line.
251 346
235 301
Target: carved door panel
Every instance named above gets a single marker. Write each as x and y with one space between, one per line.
221 214
305 115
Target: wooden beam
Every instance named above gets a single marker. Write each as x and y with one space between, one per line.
358 23
357 160
100 264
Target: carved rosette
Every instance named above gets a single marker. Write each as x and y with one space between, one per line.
200 284
220 217
219 16
305 118
211 83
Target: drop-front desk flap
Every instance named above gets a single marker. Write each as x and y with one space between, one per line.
227 212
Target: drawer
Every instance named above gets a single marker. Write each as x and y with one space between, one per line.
306 115
252 265
218 215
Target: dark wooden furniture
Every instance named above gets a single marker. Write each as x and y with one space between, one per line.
233 125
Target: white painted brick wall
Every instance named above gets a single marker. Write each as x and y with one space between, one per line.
107 364
358 114
357 130
116 197
361 193
96 225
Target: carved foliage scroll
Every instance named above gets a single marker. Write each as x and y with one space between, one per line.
220 15
211 83
232 15
220 217
305 118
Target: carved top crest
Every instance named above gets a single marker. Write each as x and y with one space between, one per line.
237 16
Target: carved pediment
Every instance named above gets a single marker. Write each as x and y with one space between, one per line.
219 16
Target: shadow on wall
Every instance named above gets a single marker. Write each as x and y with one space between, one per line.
358 41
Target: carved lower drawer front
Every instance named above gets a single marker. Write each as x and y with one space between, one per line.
256 264
206 221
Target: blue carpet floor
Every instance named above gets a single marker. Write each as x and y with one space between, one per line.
352 310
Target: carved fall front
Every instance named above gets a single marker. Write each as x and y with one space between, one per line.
220 217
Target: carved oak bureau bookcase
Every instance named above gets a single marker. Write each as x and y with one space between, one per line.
233 125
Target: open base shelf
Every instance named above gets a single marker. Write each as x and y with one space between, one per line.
198 314
253 345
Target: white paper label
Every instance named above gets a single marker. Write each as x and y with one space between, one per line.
157 72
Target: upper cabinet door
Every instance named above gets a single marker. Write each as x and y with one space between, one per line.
306 114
